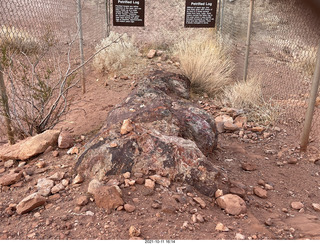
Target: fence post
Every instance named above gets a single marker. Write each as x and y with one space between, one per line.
312 101
79 10
5 106
221 14
107 5
248 41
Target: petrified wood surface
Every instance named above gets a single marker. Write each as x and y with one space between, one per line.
166 134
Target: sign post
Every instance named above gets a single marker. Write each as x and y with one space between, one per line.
128 12
200 13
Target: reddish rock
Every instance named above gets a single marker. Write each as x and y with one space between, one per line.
129 208
82 201
149 183
126 127
230 126
108 197
10 179
160 180
134 232
232 204
258 191
55 153
151 53
29 203
200 201
238 191
65 140
29 147
249 166
297 205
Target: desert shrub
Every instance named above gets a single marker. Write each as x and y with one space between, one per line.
205 62
36 84
248 96
119 54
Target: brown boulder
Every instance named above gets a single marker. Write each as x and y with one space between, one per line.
29 147
30 202
65 140
232 204
10 179
108 197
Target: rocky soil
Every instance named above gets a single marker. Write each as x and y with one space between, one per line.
269 189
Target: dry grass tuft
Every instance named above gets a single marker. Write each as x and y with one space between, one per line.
14 39
248 96
118 55
204 61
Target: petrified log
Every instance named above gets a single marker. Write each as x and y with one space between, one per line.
164 133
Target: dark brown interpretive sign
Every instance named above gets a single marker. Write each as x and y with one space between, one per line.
128 12
200 13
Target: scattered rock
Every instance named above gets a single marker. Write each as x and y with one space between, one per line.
30 202
10 179
89 213
108 197
29 147
44 186
8 164
55 153
230 126
138 175
57 188
268 187
156 205
292 161
239 236
316 206
57 176
222 227
73 150
127 175
249 166
257 129
134 232
200 201
200 218
269 222
82 200
232 204
78 179
218 193
149 183
65 140
297 205
113 182
151 53
240 121
140 181
238 191
258 191
126 127
93 186
161 180
41 164
129 208
65 182
221 120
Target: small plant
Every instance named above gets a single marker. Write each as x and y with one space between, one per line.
248 96
121 53
205 63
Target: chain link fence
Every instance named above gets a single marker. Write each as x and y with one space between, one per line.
284 41
39 44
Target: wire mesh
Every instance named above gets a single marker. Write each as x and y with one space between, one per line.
284 40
